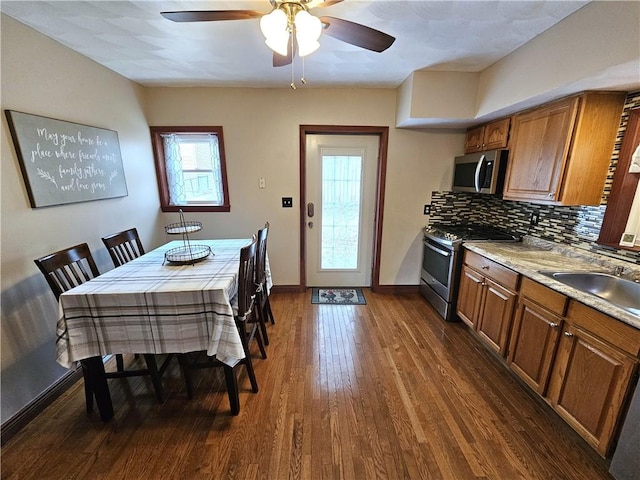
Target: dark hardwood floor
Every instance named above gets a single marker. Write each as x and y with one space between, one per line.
384 390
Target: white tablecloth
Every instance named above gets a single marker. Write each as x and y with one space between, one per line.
149 306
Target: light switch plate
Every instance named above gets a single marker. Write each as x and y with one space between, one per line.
287 202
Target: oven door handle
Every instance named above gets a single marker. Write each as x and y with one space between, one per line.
444 253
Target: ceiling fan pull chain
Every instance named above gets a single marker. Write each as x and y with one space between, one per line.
302 79
293 81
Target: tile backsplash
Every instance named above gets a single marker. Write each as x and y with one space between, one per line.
578 226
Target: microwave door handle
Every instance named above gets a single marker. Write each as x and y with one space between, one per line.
444 253
478 170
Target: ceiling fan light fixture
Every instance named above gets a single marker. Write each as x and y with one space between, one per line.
279 44
308 29
275 28
307 47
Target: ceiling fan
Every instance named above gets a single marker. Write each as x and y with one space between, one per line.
289 28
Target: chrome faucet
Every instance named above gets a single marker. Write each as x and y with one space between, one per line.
618 271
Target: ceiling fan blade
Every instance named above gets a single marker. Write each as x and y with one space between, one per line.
281 60
322 4
211 15
356 34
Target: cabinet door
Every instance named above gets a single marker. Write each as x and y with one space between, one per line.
495 316
474 139
539 149
534 338
588 384
496 134
469 295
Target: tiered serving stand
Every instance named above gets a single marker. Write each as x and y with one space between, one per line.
188 253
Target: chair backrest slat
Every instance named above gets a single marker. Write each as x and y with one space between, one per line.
68 268
123 246
261 256
246 283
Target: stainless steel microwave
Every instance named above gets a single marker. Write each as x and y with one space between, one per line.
481 172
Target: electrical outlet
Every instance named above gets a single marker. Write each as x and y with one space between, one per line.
287 202
534 219
262 183
427 210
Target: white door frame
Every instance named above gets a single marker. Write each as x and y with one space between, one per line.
383 136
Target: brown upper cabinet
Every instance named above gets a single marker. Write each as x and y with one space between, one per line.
560 152
491 136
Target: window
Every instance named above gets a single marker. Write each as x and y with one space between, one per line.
191 169
341 210
633 224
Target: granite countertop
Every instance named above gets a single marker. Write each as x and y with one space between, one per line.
532 255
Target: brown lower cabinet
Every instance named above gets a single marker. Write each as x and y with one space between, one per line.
593 373
486 299
582 362
536 332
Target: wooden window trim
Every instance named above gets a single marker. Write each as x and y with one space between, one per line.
623 188
161 173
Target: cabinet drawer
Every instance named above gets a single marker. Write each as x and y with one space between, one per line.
502 275
617 333
551 300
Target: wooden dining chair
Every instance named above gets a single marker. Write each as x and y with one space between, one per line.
73 266
123 246
243 304
263 307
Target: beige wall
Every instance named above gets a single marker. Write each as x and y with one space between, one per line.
41 77
593 42
261 133
595 48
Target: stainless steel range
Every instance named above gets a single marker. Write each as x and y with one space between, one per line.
442 261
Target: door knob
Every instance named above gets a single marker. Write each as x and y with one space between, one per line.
310 224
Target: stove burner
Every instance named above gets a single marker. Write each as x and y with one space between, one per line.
457 233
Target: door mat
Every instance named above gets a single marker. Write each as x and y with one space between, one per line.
338 296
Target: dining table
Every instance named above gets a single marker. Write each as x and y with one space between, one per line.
154 306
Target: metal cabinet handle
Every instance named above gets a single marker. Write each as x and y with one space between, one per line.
568 334
485 267
554 325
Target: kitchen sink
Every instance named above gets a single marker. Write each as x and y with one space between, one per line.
616 290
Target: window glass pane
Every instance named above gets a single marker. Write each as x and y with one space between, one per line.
193 169
341 198
633 224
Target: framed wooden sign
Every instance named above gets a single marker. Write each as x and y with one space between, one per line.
64 162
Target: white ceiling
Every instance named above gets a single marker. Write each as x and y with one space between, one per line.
132 39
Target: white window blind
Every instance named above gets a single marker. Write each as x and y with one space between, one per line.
194 174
